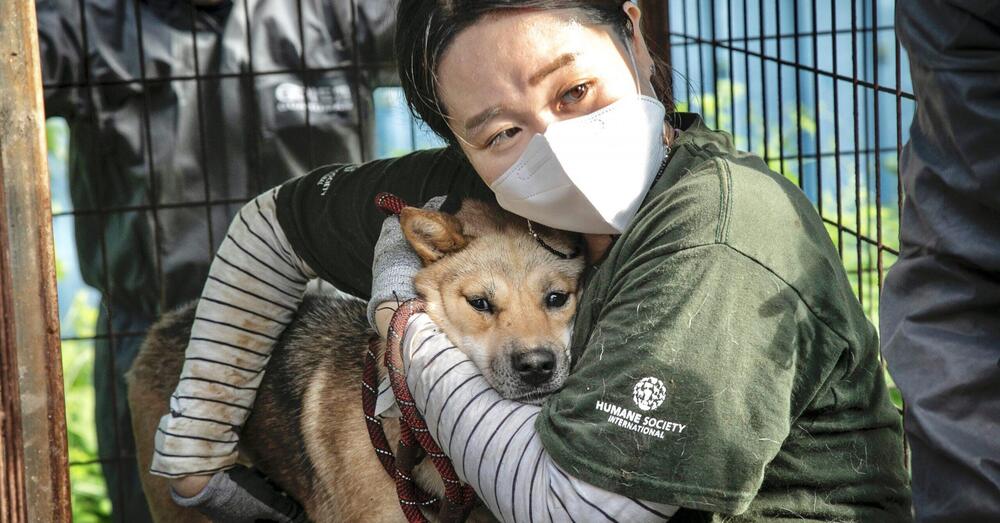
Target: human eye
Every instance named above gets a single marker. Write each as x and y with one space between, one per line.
575 94
499 138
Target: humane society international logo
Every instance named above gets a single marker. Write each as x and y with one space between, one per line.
649 393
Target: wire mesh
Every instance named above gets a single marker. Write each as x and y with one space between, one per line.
319 62
809 86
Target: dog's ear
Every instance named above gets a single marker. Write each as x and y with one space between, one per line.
432 234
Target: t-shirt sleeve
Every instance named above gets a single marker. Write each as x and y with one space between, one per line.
331 221
697 363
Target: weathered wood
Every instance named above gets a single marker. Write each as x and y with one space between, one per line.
11 455
36 483
656 27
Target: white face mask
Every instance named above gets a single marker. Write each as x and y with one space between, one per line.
588 174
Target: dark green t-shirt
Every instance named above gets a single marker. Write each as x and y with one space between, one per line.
721 361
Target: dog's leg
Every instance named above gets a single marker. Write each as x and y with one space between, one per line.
350 483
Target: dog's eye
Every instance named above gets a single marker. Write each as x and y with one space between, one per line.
556 299
480 304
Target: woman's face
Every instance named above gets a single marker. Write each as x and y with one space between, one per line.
509 76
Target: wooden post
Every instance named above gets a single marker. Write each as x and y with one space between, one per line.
656 27
33 462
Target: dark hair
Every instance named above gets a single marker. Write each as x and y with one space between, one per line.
425 29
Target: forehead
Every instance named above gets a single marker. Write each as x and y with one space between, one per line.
505 261
511 46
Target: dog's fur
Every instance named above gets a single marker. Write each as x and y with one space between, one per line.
307 432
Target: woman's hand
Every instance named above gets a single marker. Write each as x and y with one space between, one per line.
189 486
393 267
236 494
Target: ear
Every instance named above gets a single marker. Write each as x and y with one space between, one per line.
638 42
643 58
432 234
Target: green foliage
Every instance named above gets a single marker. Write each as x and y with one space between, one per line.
87 488
57 142
90 500
57 138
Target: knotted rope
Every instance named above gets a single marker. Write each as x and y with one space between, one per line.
414 438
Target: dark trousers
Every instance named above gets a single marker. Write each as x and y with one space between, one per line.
115 444
940 309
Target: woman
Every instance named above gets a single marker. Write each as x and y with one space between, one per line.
722 365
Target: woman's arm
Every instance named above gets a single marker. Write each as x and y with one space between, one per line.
684 388
325 224
330 218
493 443
254 287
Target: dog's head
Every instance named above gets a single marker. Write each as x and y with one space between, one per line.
501 297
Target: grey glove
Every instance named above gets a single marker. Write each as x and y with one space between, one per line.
242 495
395 264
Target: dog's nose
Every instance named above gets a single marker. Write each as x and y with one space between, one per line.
534 366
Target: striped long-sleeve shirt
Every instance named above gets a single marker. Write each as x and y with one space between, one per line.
254 287
255 284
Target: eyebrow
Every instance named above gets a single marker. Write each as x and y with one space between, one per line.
556 65
474 124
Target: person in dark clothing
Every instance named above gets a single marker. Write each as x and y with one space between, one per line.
178 112
940 311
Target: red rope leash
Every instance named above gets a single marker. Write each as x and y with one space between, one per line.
459 497
411 497
389 203
413 434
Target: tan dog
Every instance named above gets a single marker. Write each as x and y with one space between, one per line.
502 298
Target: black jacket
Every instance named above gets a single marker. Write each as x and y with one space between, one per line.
146 151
